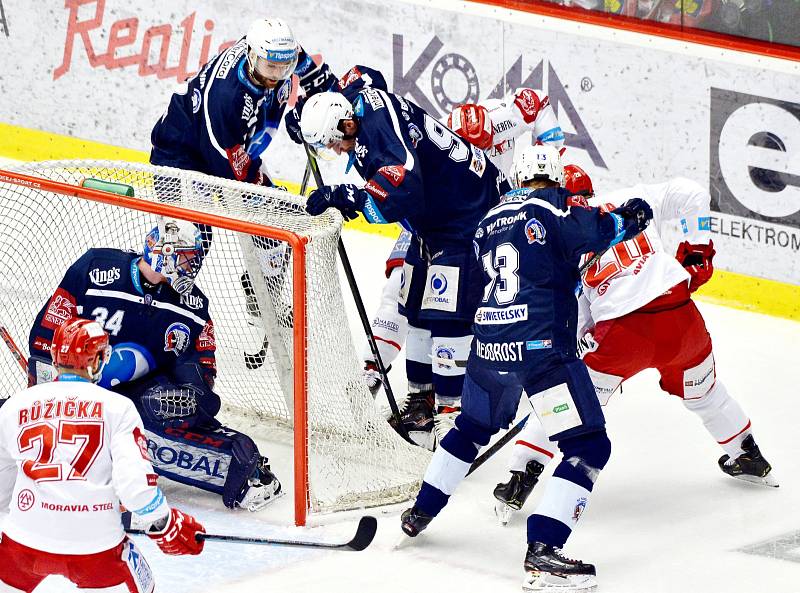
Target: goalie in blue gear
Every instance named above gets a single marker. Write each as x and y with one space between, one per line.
163 358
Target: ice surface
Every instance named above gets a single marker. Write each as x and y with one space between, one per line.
663 518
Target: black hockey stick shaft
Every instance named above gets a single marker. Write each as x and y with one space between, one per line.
362 313
365 533
499 444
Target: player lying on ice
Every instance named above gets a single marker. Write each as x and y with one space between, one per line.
636 302
163 358
70 452
530 246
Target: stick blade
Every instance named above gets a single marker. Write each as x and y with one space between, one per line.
365 533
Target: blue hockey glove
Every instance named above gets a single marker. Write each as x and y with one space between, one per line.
292 121
349 199
635 215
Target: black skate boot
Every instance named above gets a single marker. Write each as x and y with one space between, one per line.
549 570
414 521
417 418
750 466
513 494
262 488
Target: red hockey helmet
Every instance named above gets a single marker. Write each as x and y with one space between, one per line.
78 343
473 124
577 181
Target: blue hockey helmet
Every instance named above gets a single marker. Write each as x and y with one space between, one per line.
174 248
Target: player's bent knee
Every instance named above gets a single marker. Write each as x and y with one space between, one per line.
474 432
592 449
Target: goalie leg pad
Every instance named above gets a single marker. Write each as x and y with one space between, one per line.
216 459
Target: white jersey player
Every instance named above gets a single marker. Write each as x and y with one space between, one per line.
70 452
636 303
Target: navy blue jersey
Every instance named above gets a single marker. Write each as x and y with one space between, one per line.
417 170
152 329
529 248
222 122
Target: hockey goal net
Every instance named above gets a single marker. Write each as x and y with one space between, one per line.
285 353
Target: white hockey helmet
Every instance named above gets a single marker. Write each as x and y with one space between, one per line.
175 249
272 51
321 120
535 163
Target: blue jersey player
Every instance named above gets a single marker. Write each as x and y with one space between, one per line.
419 173
529 247
230 111
163 358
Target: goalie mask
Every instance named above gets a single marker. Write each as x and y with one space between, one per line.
175 249
272 52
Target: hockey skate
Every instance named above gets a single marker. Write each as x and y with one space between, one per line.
263 488
372 378
750 466
513 494
547 569
417 418
413 521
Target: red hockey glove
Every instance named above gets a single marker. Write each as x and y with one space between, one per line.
178 536
697 261
473 124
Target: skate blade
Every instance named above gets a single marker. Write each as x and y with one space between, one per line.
540 581
503 512
768 480
404 541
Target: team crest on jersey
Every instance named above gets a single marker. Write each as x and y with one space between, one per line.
197 100
176 338
415 134
529 104
443 353
141 442
25 500
535 232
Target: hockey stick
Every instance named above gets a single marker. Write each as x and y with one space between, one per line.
362 313
15 351
363 537
501 442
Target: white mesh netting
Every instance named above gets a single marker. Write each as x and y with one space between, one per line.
354 457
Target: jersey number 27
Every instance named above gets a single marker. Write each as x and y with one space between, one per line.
89 434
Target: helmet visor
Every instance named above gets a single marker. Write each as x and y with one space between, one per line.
274 66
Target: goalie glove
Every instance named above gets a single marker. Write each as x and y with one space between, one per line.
697 259
176 534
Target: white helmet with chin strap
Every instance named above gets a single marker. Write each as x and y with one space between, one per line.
321 121
272 51
537 163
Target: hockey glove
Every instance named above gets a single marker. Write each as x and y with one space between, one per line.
697 261
586 345
349 199
178 536
636 214
292 121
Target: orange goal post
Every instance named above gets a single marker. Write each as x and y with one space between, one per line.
287 362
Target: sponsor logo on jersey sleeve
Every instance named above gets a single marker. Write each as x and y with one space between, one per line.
577 201
373 98
206 341
394 173
239 161
176 338
100 277
478 162
352 75
197 100
192 301
141 442
415 134
376 191
61 308
529 104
